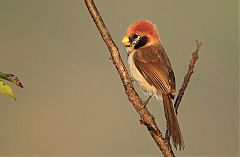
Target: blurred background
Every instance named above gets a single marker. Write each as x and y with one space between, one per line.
73 103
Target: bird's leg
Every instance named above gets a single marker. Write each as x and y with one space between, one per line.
167 137
131 81
146 101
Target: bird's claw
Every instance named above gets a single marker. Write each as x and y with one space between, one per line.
131 81
146 102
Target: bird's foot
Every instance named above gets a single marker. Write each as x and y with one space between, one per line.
146 101
131 81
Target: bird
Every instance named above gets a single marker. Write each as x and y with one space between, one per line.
150 67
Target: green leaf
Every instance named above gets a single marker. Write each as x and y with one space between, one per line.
12 78
6 89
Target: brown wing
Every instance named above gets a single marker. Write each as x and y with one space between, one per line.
154 65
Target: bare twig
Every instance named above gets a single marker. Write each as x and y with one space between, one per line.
187 76
146 118
185 83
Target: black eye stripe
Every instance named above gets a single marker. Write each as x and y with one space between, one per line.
133 37
142 41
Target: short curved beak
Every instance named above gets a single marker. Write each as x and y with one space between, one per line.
126 41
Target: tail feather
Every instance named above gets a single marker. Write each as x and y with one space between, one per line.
172 122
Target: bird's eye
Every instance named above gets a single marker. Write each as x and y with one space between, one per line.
135 35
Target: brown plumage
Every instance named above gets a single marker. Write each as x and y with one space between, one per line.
151 68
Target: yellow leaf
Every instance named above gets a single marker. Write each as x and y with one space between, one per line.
6 89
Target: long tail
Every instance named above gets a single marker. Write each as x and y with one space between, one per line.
172 122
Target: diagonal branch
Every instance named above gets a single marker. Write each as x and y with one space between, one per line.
187 76
146 118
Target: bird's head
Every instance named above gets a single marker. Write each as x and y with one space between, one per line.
140 34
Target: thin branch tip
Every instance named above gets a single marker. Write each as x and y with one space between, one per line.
199 44
188 75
